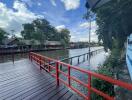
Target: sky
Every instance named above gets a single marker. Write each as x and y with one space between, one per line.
60 13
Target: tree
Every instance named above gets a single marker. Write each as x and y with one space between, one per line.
114 22
27 33
36 30
64 36
114 25
41 30
3 35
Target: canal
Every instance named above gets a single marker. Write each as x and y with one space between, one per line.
61 54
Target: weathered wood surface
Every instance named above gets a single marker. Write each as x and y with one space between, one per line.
24 81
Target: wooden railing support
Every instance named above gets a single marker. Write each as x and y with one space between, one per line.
78 59
71 61
57 73
40 62
89 86
69 82
84 57
49 66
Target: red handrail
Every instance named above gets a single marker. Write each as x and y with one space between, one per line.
53 64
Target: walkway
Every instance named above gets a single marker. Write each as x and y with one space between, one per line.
25 81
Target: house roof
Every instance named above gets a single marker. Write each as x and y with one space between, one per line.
52 43
8 41
29 42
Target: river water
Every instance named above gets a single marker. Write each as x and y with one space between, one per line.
60 54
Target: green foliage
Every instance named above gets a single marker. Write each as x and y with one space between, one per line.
3 35
102 85
114 25
64 37
109 68
114 22
41 30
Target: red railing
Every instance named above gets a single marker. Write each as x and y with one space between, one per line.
52 66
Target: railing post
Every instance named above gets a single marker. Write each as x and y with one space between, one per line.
71 61
40 62
78 59
83 57
87 56
89 86
44 63
13 57
49 66
29 56
69 81
57 73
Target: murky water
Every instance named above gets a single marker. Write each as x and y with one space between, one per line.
60 54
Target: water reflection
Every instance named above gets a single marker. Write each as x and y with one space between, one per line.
56 54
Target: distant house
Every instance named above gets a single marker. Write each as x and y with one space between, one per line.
12 42
53 43
19 41
15 42
30 42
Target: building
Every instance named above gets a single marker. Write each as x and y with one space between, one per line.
129 55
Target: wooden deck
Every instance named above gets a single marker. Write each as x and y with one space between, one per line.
24 81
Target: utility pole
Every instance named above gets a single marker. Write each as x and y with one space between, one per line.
89 38
92 4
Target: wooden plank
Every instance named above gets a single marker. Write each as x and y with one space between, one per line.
21 83
36 94
14 73
17 76
29 91
15 80
66 96
49 93
73 97
59 94
20 88
17 66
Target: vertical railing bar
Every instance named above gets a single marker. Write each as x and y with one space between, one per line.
57 73
78 59
89 86
69 81
49 66
31 57
40 62
44 63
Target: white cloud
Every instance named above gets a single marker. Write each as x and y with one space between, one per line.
75 38
39 4
13 20
60 27
81 32
87 24
71 4
53 2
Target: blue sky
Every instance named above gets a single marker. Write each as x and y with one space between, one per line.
60 13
